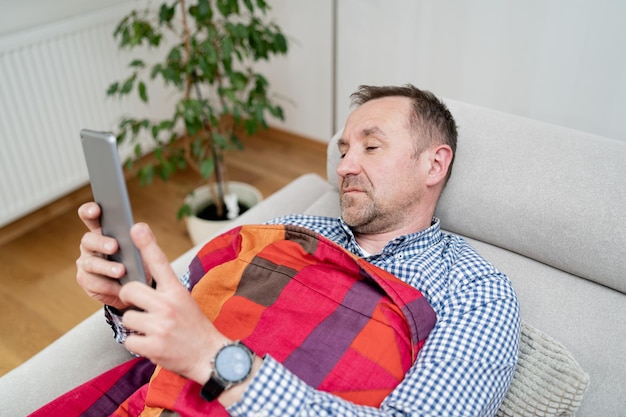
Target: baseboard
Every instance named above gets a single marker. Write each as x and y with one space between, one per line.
39 217
285 136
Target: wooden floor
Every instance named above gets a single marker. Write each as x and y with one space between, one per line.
39 297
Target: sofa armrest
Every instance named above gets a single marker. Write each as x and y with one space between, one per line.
82 353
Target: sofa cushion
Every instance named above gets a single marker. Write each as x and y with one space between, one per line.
547 382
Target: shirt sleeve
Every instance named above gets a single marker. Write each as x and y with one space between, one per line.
464 369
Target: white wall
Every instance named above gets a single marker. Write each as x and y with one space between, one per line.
21 15
560 61
304 77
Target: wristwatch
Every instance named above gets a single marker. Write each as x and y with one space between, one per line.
231 366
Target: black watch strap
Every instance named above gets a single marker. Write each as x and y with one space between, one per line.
218 383
212 389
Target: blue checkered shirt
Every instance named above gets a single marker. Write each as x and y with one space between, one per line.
469 358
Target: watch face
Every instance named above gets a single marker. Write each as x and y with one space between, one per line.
233 363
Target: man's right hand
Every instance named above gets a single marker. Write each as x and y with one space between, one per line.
98 276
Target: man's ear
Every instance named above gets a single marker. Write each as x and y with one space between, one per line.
440 160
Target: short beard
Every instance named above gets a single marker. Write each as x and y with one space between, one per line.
365 220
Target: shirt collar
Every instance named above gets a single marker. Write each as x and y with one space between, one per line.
413 241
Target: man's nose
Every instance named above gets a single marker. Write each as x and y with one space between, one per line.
348 165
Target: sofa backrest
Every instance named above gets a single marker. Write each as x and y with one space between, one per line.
549 193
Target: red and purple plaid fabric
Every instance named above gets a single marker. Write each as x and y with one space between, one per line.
339 323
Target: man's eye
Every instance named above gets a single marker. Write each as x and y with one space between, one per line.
371 148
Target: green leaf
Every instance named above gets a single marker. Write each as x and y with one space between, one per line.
121 137
120 26
234 6
155 39
146 174
156 69
143 94
171 75
251 126
113 88
238 80
166 13
259 113
259 48
236 142
128 85
137 63
166 169
165 125
277 112
224 7
220 140
192 115
135 128
209 52
125 122
227 48
174 55
237 114
280 43
204 10
261 83
198 149
262 5
184 211
207 167
181 162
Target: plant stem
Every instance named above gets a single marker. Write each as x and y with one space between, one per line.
187 43
190 82
219 180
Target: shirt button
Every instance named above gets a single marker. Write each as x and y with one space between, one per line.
400 256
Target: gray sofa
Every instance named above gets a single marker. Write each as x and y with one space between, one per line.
543 203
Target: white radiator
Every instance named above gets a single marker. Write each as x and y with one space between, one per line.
53 83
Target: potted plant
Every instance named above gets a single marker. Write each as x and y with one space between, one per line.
220 96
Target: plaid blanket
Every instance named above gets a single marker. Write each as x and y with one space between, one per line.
339 323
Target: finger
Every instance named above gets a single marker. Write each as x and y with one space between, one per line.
95 243
89 213
144 298
158 264
98 284
99 287
95 265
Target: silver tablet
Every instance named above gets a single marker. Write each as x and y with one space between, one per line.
109 191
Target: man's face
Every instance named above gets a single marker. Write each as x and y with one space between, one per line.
380 180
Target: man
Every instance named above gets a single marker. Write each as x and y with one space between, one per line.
397 150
